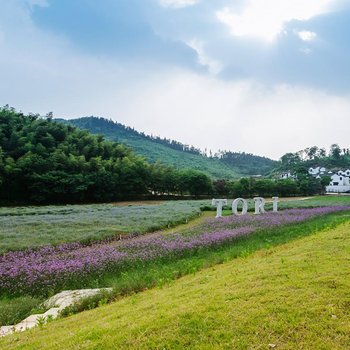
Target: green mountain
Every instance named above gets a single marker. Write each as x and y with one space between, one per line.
155 149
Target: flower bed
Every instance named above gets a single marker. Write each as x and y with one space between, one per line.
52 268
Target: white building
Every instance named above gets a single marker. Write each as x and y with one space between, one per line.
314 171
340 182
288 175
318 171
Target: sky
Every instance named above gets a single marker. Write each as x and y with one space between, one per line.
260 76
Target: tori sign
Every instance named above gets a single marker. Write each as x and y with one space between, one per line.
259 203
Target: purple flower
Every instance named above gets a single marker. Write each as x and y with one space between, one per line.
52 267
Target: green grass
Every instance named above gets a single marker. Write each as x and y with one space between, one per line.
28 227
158 273
317 201
147 275
295 296
15 310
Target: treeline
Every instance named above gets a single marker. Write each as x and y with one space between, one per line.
335 157
42 161
249 187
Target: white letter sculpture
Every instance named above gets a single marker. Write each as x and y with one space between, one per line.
235 206
219 203
275 204
259 205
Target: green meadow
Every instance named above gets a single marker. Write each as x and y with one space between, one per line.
30 227
150 279
290 296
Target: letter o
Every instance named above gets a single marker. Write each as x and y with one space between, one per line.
235 206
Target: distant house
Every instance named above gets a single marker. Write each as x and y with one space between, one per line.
318 171
340 182
287 175
314 171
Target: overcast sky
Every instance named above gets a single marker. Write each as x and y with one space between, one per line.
260 76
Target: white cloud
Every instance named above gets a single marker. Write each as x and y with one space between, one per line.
41 73
213 65
178 3
265 19
239 116
306 35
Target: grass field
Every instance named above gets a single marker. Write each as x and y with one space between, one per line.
316 201
28 227
78 221
148 274
293 296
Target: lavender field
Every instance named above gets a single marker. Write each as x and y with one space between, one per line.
52 268
51 248
29 227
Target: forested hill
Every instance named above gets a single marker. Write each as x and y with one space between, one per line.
170 152
43 161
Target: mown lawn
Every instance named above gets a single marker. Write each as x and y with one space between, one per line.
294 296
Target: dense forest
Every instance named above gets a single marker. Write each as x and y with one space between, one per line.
223 164
44 161
248 163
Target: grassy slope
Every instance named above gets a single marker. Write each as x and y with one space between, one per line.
295 296
154 151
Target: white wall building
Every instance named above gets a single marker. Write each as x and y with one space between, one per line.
318 171
288 175
314 171
340 182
